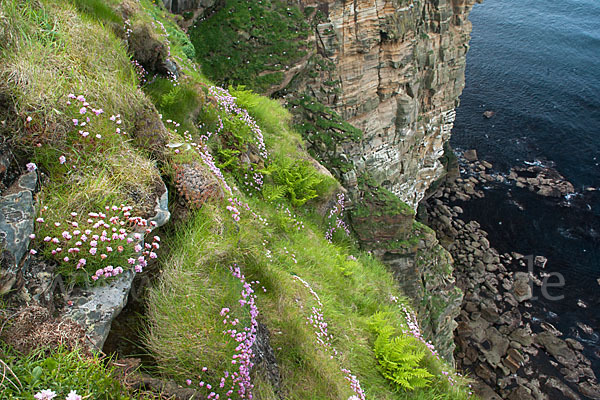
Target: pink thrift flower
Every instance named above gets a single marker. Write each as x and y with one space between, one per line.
188 381
31 167
73 396
45 394
62 159
32 252
75 122
93 251
82 110
39 220
29 119
32 236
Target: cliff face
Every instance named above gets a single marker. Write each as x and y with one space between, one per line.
399 69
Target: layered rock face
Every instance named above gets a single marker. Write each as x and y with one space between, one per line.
399 69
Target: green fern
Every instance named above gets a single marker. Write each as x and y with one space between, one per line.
297 179
399 357
273 192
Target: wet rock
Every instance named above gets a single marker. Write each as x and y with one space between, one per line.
520 393
574 344
558 348
486 164
554 385
590 390
470 155
540 261
523 336
16 224
548 327
521 287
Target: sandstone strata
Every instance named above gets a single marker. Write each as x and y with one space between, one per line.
399 69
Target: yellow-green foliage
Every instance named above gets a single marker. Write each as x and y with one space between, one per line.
296 179
399 355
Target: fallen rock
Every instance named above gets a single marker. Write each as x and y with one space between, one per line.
554 384
524 336
520 393
488 114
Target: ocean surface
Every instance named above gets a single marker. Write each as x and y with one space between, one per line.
536 64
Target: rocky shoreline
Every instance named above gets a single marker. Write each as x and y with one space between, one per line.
511 354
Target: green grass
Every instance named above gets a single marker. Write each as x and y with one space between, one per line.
61 371
52 51
99 10
250 43
185 327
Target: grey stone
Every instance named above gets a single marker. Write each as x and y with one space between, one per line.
16 224
470 155
558 349
521 287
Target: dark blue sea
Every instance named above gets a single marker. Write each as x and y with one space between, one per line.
536 64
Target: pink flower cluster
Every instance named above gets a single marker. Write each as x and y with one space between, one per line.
48 394
323 338
227 103
140 71
337 211
101 235
86 118
242 358
355 385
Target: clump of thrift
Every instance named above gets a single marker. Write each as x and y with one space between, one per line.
97 238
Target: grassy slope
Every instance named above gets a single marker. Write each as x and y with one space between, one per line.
50 51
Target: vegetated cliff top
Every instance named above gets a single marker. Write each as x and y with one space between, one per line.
260 287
